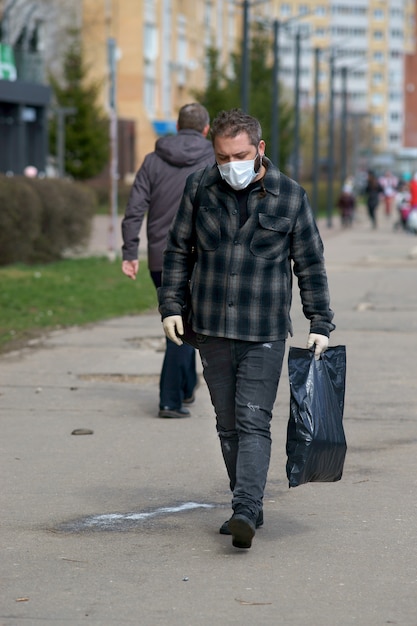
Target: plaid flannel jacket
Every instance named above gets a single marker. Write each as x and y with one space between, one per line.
241 285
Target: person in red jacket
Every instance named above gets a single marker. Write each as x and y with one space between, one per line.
157 191
413 192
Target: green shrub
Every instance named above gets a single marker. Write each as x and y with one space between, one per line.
20 220
58 214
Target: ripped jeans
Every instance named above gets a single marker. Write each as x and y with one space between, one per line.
243 377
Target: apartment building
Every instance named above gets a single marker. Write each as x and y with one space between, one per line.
369 38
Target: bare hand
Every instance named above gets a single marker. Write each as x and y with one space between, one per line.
130 268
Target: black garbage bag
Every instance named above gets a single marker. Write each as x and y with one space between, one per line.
316 443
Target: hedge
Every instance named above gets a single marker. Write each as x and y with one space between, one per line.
41 220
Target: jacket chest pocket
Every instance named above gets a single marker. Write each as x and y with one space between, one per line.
271 237
208 227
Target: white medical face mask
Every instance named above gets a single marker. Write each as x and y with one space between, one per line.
238 174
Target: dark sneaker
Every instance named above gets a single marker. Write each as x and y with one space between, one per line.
224 528
167 412
242 529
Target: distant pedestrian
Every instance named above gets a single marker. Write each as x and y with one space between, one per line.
346 204
373 191
413 192
389 184
157 192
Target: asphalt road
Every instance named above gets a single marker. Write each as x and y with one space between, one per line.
121 526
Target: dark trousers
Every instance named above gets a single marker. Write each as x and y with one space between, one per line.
243 378
178 376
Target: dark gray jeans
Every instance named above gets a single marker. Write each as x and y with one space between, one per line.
243 377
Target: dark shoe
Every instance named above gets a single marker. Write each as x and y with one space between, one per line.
167 412
242 529
191 399
224 528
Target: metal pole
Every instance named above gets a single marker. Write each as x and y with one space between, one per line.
114 166
60 142
343 142
316 133
245 59
296 172
61 113
330 154
275 125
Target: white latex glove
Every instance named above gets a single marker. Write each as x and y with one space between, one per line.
320 341
173 325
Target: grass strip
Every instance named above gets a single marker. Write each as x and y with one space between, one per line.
39 298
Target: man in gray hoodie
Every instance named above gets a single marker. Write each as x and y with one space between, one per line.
157 191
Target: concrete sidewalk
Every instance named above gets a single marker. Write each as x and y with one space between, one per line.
121 526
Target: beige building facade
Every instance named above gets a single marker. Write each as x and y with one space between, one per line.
161 49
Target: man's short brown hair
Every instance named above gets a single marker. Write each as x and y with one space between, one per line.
232 123
193 116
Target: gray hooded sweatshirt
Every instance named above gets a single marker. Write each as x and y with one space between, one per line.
157 191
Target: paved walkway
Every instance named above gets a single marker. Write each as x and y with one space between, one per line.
120 526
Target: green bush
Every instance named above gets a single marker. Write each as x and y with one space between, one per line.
57 214
20 220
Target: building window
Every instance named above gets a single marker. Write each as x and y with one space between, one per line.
181 66
378 35
379 14
285 10
207 13
150 42
149 95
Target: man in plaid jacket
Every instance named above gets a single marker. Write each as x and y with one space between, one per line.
253 229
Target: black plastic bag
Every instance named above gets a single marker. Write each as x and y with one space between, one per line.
316 444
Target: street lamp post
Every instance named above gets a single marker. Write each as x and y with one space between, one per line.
244 83
275 121
296 160
343 142
114 162
275 130
316 132
330 153
62 113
